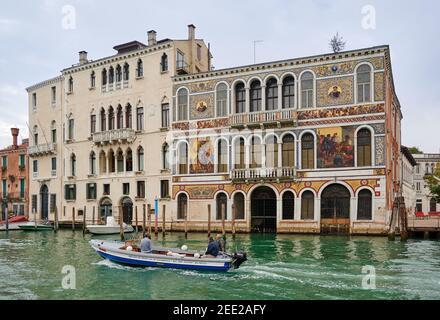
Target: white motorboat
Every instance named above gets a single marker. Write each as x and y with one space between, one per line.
110 228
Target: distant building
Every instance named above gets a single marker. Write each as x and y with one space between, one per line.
14 176
407 179
426 164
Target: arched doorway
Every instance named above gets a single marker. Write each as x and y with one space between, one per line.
105 210
264 210
127 210
44 196
335 209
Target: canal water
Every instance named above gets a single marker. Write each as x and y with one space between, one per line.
279 267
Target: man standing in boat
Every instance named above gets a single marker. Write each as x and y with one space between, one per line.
146 244
221 242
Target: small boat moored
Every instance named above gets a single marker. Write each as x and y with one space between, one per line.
36 227
110 228
121 253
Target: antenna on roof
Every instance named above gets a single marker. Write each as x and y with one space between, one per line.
255 49
337 43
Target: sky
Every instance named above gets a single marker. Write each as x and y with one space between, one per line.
38 38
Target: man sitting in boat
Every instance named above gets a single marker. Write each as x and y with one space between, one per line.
146 244
213 249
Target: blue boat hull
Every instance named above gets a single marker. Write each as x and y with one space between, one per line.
142 263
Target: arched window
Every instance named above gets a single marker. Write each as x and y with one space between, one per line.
183 158
104 77
140 118
92 80
164 63
240 98
364 148
182 105
432 205
111 161
73 165
255 95
272 94
222 156
129 161
222 206
165 157
126 72
35 133
307 90
239 206
118 73
288 92
307 206
140 159
239 153
140 69
182 206
92 163
119 118
103 120
363 83
70 84
111 75
271 152
111 119
222 100
288 206
288 156
102 163
307 151
364 205
120 161
256 152
128 117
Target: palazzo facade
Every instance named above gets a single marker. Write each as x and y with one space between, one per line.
308 145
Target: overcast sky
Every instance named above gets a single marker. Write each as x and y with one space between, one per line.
35 44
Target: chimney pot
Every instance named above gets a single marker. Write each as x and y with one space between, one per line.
15 132
191 32
152 38
83 57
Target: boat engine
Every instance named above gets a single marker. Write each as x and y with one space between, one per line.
239 258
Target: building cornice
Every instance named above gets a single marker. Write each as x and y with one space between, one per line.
285 63
44 83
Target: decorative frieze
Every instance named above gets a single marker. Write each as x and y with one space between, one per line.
380 150
379 86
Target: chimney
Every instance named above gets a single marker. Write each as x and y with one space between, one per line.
191 32
15 132
83 57
152 38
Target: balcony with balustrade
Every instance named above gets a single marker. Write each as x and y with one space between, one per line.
42 150
114 136
263 117
263 174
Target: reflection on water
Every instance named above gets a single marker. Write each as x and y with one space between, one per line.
279 267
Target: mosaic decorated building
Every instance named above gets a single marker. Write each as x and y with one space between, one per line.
307 145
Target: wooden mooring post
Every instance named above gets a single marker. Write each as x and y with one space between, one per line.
149 219
93 215
121 223
223 208
144 220
56 226
84 220
73 219
185 210
209 220
136 218
233 221
163 220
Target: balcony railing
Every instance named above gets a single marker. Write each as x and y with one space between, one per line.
263 117
287 173
42 149
12 196
182 68
119 135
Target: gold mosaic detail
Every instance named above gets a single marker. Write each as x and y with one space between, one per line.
345 85
207 100
379 86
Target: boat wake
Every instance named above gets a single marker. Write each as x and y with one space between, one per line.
113 265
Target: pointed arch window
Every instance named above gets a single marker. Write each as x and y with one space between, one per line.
93 80
272 94
92 163
307 151
363 76
102 163
164 63
70 85
118 73
182 105
119 118
104 77
128 117
111 119
240 98
307 90
111 75
364 148
129 161
256 152
53 132
140 159
103 120
165 157
111 161
73 165
35 133
140 69
126 72
120 161
255 95
288 92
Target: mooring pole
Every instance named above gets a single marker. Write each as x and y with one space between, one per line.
73 219
56 220
84 220
93 215
209 220
149 219
136 218
223 208
35 218
144 223
121 223
163 220
185 210
6 217
233 221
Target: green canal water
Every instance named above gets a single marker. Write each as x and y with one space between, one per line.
279 267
